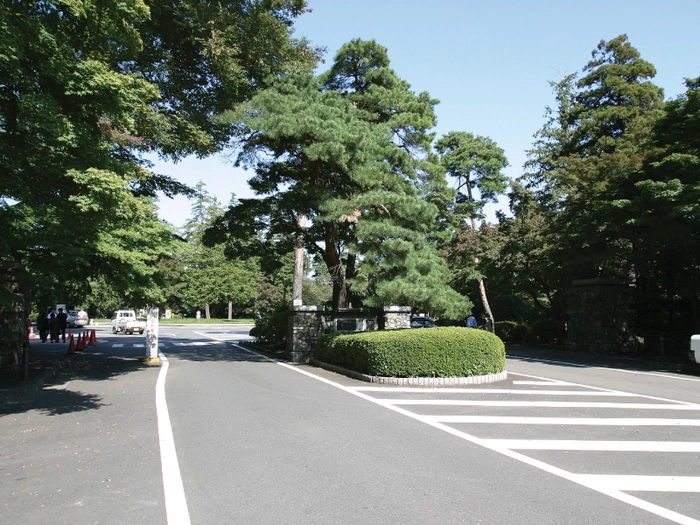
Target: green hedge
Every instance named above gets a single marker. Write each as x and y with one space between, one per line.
427 352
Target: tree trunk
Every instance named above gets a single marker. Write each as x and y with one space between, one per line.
297 282
335 269
206 311
230 310
490 321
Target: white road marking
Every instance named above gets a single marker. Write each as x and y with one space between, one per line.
643 483
592 482
538 404
585 421
638 372
175 501
540 383
596 446
118 345
496 391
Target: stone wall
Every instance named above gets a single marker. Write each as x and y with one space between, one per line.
308 323
600 316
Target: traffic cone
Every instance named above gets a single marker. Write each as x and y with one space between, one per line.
93 338
71 346
70 333
32 335
81 345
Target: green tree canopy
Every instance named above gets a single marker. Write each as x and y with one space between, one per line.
349 150
86 88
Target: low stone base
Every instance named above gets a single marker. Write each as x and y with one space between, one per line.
426 382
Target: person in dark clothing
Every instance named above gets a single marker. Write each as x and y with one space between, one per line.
53 327
62 322
42 324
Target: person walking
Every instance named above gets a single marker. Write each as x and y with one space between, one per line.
62 322
53 327
42 324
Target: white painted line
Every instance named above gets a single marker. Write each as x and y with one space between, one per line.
581 393
538 404
597 446
139 345
590 483
118 345
175 502
540 383
637 372
583 421
643 483
608 390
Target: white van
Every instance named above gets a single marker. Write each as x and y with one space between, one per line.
125 321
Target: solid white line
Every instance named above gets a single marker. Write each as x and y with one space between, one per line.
580 393
541 383
643 483
538 404
175 502
657 374
620 496
597 446
584 421
608 390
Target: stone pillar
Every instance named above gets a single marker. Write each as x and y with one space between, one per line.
152 335
305 327
396 317
600 316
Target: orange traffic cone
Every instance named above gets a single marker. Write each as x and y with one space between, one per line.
80 346
70 333
32 335
93 338
71 346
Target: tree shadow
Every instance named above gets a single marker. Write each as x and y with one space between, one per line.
52 402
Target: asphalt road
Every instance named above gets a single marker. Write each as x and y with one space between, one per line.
263 442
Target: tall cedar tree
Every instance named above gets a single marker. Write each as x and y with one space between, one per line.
349 150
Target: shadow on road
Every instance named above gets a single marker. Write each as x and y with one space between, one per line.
52 402
222 352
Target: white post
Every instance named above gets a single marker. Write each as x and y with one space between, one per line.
152 335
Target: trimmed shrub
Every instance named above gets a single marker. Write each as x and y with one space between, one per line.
271 328
428 352
544 331
519 333
504 329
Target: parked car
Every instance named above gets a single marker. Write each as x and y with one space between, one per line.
422 321
125 321
77 318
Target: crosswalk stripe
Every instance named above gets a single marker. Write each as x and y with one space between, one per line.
538 404
641 483
590 421
597 446
494 391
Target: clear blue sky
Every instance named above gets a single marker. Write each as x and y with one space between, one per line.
489 62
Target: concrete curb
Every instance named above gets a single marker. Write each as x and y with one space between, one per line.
429 382
36 384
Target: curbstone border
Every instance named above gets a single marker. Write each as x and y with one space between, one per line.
429 382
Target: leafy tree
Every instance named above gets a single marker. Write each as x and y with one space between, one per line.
85 89
349 150
477 163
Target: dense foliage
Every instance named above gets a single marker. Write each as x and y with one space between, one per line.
430 352
85 89
350 151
